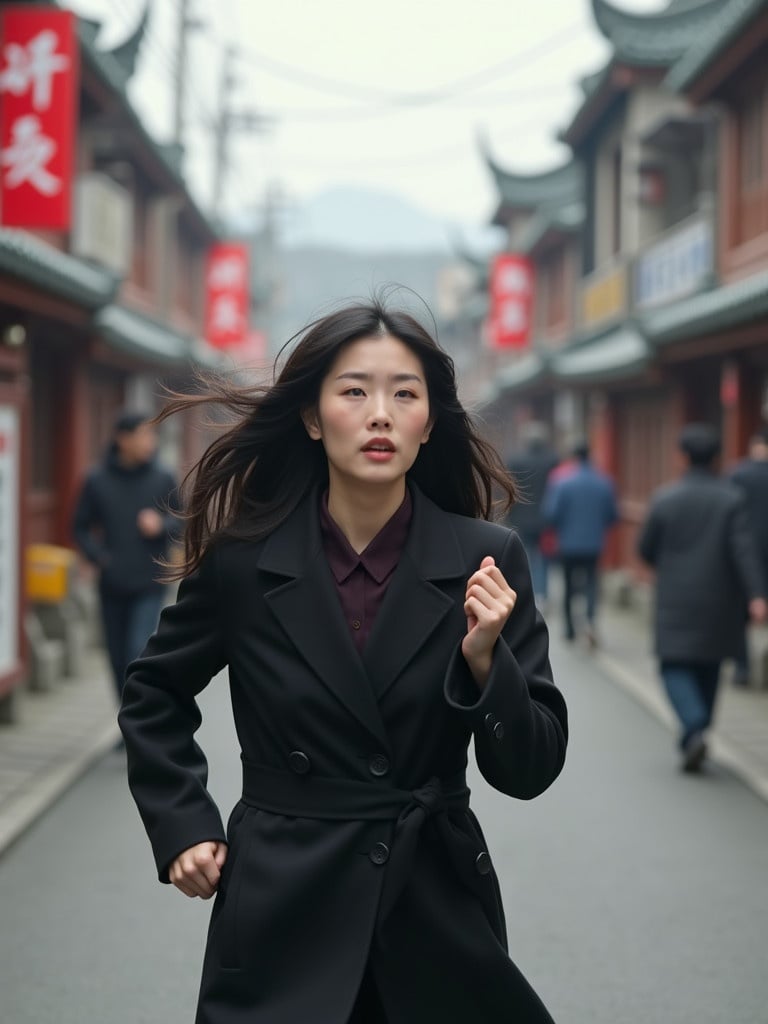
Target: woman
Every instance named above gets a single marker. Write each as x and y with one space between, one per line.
338 562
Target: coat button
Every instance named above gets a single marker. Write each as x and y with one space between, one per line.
380 853
378 765
498 731
483 863
490 722
299 762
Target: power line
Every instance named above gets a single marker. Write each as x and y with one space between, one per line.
449 90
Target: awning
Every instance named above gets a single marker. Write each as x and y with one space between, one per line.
711 311
32 260
620 353
142 337
524 370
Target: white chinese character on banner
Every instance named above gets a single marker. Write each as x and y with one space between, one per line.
226 316
513 280
227 273
34 65
513 317
27 156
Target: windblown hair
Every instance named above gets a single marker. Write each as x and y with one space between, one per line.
255 474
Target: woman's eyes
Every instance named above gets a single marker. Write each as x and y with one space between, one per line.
358 392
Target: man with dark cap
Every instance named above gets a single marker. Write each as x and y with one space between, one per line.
751 477
697 538
123 523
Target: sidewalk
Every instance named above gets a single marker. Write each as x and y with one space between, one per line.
60 734
740 740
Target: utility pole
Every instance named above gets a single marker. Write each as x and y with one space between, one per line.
228 120
186 24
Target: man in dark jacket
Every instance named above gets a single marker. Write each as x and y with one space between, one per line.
530 467
123 523
581 507
751 477
697 538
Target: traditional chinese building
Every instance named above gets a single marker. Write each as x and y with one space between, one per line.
664 319
92 317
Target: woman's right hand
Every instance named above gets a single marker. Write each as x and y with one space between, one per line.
197 870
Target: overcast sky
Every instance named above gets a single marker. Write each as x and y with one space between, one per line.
387 94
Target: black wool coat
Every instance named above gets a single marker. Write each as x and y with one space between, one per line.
698 539
354 843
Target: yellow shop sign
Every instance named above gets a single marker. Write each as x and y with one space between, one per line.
604 297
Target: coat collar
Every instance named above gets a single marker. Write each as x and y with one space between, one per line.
308 608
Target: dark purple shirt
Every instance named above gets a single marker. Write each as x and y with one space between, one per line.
362 580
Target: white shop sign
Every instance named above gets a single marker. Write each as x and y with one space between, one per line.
9 538
678 266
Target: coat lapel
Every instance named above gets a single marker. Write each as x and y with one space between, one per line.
413 606
308 608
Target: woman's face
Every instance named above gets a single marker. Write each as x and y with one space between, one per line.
373 412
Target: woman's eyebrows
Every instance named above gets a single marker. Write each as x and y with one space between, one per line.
357 375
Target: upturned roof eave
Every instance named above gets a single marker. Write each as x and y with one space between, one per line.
687 74
653 39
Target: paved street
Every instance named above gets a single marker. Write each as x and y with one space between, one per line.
633 893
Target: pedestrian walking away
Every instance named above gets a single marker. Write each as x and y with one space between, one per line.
708 578
123 523
580 505
530 468
340 562
751 477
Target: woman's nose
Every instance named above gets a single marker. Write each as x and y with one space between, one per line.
380 416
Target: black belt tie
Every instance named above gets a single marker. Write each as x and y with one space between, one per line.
310 796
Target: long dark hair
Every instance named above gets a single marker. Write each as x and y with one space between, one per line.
253 476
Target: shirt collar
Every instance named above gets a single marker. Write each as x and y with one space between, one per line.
381 556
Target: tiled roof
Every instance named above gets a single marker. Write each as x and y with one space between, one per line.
527 191
140 336
656 39
733 17
565 218
30 259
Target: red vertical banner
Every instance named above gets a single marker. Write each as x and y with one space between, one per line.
226 289
511 306
39 82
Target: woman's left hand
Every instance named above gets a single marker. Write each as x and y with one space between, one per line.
488 604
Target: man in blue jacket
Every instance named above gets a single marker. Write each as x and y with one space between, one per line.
123 523
581 507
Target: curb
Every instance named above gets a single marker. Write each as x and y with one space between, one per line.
49 786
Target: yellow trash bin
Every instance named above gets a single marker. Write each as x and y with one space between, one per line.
48 570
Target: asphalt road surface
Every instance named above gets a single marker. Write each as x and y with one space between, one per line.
634 894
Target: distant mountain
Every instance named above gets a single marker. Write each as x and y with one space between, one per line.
313 280
364 220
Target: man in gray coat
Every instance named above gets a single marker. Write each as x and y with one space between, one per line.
697 538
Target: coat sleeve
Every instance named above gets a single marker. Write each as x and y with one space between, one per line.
167 770
743 551
650 536
519 720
